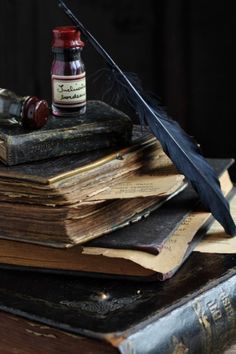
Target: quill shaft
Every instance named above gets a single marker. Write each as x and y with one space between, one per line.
175 142
105 55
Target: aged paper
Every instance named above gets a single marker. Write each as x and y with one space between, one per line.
174 249
160 178
216 240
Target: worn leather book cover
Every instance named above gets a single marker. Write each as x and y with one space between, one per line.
153 248
193 312
21 336
100 127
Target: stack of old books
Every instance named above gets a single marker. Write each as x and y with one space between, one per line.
86 212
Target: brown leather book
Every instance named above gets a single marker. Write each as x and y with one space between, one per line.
21 336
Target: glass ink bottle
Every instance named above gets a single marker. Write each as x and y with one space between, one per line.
28 111
68 73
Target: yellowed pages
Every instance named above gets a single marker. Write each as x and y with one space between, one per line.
162 179
216 240
176 246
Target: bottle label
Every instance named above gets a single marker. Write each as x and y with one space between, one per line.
69 91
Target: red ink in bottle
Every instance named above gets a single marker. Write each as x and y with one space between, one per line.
68 73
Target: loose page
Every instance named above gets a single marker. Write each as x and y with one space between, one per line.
216 240
172 255
159 179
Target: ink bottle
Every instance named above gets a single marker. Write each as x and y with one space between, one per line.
28 111
68 73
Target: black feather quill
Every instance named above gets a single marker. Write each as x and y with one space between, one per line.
175 142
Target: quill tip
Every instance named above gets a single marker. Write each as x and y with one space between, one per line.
60 3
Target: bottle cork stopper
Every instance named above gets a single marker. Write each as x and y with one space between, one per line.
35 113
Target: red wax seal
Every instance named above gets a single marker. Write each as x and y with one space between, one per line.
66 37
35 113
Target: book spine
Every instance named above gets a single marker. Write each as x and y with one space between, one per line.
22 149
202 324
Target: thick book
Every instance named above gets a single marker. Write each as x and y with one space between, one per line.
100 127
194 312
71 179
69 200
107 195
66 227
154 248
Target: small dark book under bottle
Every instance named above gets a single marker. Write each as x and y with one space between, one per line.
100 127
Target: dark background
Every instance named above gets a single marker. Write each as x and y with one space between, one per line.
182 50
